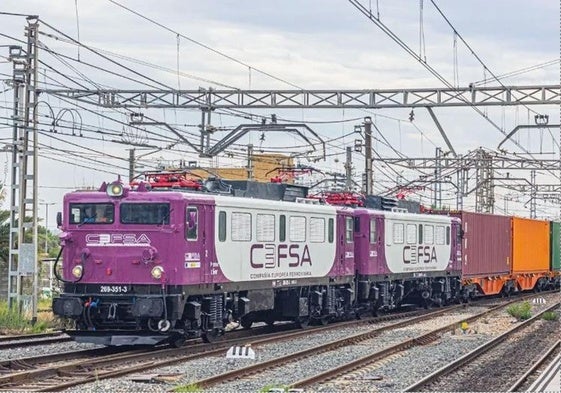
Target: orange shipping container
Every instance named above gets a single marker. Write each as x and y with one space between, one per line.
530 245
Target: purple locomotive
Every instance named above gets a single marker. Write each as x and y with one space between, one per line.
144 267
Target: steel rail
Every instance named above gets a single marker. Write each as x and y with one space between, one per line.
443 371
514 387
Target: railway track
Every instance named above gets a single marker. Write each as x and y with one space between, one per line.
26 340
547 357
236 379
76 368
248 372
473 368
61 371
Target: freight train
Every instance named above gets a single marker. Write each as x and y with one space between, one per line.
146 267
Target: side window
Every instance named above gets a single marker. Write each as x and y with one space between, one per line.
222 226
331 230
282 228
439 235
241 227
420 233
349 227
447 236
192 223
357 224
265 228
429 234
372 230
317 230
411 233
398 233
297 228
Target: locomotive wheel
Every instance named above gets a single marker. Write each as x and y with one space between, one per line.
178 342
302 322
210 336
246 322
270 319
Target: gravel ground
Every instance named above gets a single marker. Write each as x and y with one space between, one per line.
394 369
40 350
207 367
490 372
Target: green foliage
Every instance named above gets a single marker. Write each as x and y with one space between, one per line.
268 388
550 316
11 319
40 327
520 311
187 388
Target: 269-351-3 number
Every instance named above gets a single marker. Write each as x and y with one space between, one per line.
113 289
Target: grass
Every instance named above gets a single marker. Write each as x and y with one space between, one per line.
187 388
550 316
520 311
13 322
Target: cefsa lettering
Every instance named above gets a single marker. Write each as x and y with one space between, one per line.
116 239
419 254
270 256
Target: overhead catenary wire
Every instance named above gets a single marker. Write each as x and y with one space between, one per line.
176 33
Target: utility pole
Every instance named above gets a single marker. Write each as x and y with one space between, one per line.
131 165
250 162
437 195
368 154
23 245
349 169
533 192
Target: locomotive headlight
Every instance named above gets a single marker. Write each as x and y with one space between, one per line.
115 190
77 271
157 272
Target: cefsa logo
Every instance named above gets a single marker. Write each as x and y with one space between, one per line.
419 254
270 256
117 240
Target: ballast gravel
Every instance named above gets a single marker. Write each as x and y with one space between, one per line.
392 374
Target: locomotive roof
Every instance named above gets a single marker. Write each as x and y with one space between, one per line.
408 216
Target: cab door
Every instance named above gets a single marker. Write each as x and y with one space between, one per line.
345 239
197 220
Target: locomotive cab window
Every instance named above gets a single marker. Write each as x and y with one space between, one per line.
192 223
372 231
330 230
145 213
349 228
447 236
92 213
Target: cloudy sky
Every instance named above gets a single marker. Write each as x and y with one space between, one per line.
314 44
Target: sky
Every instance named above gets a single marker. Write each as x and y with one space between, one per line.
315 44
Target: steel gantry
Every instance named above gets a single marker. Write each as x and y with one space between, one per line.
358 99
483 164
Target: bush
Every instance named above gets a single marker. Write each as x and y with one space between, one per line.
520 311
550 316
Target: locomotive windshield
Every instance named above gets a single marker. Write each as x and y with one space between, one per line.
93 213
145 213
